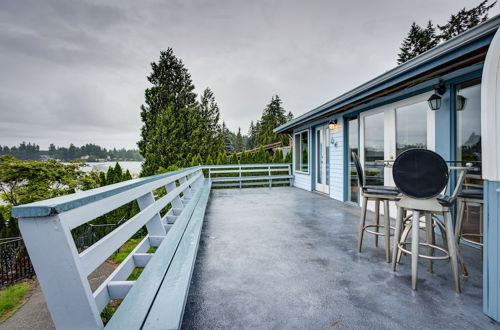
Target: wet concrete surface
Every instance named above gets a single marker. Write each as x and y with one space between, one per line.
285 258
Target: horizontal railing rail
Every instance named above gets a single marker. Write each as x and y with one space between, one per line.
62 269
249 175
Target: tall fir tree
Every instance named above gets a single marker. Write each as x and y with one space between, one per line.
272 117
252 135
464 20
165 134
239 146
417 41
210 139
226 134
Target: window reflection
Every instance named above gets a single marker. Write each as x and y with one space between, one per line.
374 149
411 127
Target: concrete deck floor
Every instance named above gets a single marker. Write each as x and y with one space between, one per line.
285 258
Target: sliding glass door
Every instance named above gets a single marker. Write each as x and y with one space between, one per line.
388 131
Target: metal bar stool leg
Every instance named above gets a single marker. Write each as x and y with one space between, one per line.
414 248
402 239
458 232
387 231
428 238
460 217
362 223
377 219
452 249
397 234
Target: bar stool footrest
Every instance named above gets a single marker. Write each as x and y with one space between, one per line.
379 233
401 246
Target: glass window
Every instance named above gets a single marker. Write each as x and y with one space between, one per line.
301 150
374 149
411 127
353 191
468 139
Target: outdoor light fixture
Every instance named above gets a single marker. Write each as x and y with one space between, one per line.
332 125
461 101
435 100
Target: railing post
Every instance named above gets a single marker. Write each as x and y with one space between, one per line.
240 177
187 192
270 180
154 226
290 173
55 259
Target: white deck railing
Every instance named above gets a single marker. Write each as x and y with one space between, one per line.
62 270
250 175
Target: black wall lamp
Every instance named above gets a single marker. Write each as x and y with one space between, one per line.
435 100
333 124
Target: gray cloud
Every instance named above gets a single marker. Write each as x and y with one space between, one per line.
75 71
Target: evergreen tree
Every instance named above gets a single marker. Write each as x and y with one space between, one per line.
209 160
196 160
244 158
239 146
252 135
234 159
278 156
464 20
210 139
288 157
260 156
165 134
272 117
228 146
418 41
221 158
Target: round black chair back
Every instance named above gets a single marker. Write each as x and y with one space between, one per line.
420 173
359 169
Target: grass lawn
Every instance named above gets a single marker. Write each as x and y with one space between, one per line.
118 258
127 248
10 296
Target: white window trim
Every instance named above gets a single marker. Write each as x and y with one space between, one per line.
308 152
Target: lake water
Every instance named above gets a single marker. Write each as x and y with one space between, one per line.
134 167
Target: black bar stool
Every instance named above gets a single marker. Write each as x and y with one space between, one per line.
421 175
377 194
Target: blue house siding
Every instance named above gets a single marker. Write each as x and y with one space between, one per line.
302 181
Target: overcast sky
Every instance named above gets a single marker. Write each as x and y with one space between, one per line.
75 71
